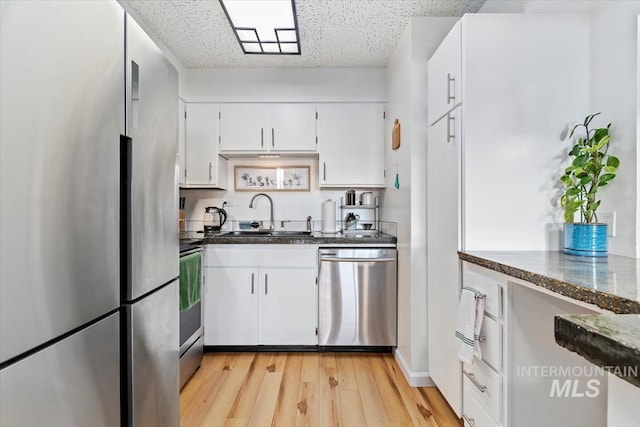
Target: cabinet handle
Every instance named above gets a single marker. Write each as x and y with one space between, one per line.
450 135
266 284
475 382
210 177
482 338
262 137
252 282
449 81
273 137
324 168
470 421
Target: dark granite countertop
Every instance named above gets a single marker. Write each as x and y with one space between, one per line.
317 238
611 283
611 341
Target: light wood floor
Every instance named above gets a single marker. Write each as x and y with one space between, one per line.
308 389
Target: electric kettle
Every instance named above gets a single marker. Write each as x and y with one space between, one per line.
214 218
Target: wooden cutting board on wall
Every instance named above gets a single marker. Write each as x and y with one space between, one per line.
395 135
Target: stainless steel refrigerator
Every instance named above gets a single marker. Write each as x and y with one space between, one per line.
88 289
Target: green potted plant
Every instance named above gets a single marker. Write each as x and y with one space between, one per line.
592 168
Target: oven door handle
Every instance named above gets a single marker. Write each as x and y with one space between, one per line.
338 259
189 252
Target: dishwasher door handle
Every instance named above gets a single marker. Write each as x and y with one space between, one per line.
337 259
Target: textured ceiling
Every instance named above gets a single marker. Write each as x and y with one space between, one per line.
333 33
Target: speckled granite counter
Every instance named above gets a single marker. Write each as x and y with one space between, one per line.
608 340
612 283
317 238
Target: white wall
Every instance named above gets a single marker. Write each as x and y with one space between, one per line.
276 85
407 101
614 92
284 84
295 206
396 203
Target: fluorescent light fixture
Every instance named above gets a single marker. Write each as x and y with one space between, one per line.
264 27
269 156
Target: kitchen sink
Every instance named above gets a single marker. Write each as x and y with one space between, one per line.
265 233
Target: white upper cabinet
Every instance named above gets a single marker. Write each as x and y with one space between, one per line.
351 145
204 167
267 127
444 70
243 127
292 127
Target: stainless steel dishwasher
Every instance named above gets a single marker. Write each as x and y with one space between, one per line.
357 297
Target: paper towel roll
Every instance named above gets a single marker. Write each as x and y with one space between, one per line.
329 216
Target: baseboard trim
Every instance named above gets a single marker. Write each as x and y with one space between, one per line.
415 379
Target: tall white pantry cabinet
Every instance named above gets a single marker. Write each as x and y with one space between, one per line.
502 88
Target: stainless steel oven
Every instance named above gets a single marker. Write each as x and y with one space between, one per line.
191 329
357 297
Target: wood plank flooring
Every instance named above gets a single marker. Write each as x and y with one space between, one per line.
308 389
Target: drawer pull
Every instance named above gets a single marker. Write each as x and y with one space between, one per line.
475 382
470 421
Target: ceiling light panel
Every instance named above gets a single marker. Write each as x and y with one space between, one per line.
264 26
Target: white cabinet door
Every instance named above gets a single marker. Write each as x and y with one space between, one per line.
292 127
182 151
443 242
244 127
231 306
288 303
203 164
444 70
351 145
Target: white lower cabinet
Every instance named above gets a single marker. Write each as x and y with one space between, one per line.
288 298
473 415
483 385
260 295
231 306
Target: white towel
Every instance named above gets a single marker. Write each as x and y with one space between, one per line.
468 324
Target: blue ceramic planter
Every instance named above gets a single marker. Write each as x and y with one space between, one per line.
586 239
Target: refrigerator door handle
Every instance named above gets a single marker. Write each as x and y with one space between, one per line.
126 156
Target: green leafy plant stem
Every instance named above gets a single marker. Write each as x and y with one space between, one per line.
591 168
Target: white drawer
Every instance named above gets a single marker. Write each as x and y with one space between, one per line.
491 343
261 256
473 414
488 282
485 385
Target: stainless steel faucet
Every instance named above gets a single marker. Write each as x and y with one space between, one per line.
271 225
